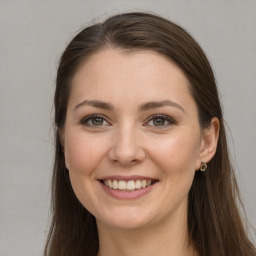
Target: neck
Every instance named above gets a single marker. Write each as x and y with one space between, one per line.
168 237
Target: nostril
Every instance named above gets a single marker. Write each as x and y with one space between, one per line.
127 158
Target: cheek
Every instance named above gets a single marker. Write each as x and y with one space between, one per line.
177 154
83 153
176 158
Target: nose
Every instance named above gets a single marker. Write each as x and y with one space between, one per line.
126 149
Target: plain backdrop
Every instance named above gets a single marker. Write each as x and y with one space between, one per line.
32 36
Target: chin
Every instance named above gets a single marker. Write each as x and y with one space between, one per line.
126 220
127 224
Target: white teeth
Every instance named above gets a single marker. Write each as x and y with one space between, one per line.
138 184
115 184
130 185
144 183
122 184
110 183
127 185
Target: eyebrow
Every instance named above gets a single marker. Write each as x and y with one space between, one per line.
144 107
96 104
159 104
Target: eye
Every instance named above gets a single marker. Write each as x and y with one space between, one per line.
160 121
95 120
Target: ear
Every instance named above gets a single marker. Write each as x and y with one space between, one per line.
209 142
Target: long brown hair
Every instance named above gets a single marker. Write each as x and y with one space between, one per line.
214 222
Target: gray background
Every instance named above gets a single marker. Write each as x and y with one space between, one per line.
32 37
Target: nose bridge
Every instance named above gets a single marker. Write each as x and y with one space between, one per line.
126 147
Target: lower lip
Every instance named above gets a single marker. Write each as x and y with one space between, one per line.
124 194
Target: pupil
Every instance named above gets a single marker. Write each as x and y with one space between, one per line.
159 121
97 121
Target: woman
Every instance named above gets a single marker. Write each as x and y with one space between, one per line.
141 165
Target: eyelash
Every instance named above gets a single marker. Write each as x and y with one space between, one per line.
85 121
170 120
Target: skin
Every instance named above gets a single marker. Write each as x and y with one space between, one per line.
126 140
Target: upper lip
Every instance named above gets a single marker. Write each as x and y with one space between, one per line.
126 178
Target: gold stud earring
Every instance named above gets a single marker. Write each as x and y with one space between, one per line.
203 166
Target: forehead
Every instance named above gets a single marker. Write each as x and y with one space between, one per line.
130 77
145 62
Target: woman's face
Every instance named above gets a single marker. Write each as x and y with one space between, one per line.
132 138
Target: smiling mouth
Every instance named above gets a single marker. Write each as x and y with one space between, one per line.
129 185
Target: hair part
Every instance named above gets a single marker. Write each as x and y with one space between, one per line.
214 222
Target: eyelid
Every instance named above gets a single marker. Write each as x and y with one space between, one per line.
165 117
85 119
